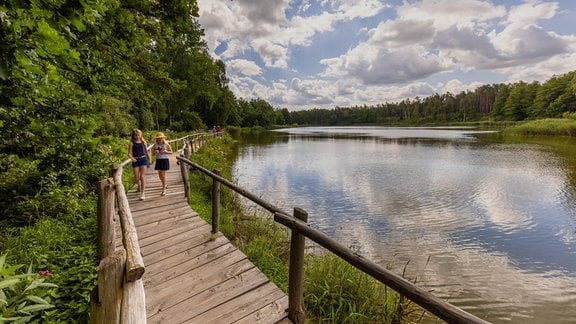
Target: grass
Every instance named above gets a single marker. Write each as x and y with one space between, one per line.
335 291
545 127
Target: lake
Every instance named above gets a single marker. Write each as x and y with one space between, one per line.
485 223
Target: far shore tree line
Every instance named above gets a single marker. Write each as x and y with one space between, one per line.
499 102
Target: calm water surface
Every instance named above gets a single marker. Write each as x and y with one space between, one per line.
486 225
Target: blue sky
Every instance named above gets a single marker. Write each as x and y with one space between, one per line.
321 54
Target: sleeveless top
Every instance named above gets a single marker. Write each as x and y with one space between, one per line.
138 149
160 155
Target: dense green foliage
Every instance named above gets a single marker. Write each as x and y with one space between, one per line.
23 296
74 77
500 102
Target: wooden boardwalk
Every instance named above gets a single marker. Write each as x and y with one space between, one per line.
191 275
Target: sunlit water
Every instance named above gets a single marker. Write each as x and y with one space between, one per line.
490 227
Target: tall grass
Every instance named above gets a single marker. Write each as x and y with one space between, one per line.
334 291
337 292
545 127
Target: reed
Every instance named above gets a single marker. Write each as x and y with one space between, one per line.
544 127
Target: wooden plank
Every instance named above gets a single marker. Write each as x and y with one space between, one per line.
191 258
177 289
154 201
174 230
166 241
166 244
206 299
151 229
238 308
144 219
191 275
270 313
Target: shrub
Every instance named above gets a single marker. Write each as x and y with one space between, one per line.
23 297
68 248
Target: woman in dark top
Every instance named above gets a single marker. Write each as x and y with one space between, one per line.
138 153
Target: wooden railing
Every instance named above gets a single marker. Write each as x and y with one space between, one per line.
301 230
119 294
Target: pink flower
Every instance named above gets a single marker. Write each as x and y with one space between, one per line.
46 273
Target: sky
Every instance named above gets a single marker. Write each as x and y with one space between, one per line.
305 54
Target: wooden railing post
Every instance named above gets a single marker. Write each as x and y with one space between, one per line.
109 291
106 218
215 203
186 179
187 151
296 311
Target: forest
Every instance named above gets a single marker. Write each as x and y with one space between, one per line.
77 76
496 102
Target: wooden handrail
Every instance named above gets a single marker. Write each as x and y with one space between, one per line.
134 262
119 296
423 298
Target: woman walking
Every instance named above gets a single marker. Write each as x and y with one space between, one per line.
162 151
138 153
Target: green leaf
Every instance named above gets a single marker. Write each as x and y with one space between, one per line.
2 319
38 300
40 283
8 283
34 284
23 319
35 308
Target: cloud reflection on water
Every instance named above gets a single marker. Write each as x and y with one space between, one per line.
488 216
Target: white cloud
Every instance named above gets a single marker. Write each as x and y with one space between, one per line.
273 55
374 65
245 67
352 9
447 13
456 86
400 33
531 12
371 52
543 70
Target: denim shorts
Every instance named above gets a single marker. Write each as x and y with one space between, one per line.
140 161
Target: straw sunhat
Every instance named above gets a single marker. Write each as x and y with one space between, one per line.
160 135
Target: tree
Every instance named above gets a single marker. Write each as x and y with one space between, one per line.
547 94
500 101
520 99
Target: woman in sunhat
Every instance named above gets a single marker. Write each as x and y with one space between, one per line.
162 151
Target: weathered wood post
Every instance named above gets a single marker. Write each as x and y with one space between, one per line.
296 311
106 297
186 151
215 203
106 219
185 178
109 290
134 261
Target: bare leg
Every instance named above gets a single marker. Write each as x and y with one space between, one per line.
142 180
162 176
137 178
